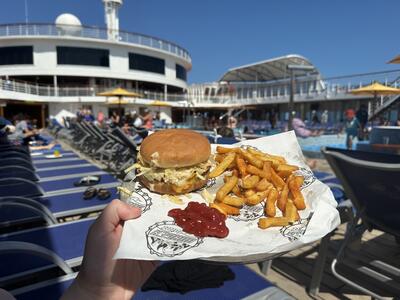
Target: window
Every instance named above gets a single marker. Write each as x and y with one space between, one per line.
146 63
83 56
19 55
181 72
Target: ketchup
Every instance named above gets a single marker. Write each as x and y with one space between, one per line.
200 220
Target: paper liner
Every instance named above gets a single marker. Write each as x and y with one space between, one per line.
154 236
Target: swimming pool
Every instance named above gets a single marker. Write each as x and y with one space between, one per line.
311 146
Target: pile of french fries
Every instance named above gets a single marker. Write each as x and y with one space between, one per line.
253 177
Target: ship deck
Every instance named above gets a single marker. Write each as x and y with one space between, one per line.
292 272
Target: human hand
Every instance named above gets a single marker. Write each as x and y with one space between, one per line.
100 276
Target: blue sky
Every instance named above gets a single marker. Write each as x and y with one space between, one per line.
340 37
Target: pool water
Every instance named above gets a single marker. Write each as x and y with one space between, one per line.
311 146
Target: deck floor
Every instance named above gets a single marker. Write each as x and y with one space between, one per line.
292 272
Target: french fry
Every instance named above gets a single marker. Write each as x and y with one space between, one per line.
275 160
218 207
265 223
256 198
284 174
250 181
226 188
263 184
219 157
233 201
267 165
276 180
252 159
224 150
254 170
270 209
283 198
241 165
281 159
291 212
229 210
248 193
299 180
294 187
286 167
235 172
219 169
236 191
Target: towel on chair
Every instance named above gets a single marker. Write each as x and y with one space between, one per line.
186 276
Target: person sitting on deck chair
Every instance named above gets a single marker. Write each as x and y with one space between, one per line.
300 129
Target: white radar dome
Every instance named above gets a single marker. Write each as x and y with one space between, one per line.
68 23
68 19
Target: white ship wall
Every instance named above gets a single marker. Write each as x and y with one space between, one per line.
45 60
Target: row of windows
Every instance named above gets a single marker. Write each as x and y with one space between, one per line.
21 55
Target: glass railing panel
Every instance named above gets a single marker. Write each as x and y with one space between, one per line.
90 32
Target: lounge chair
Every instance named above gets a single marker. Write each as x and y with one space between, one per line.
12 186
22 212
17 161
19 172
16 154
371 181
29 255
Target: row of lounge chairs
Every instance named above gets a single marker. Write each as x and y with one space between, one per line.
111 147
37 197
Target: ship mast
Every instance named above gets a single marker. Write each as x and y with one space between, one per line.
111 18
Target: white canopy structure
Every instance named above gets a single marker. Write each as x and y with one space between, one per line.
268 70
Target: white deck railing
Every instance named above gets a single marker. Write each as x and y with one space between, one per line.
329 90
93 33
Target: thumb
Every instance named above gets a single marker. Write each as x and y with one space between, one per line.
116 212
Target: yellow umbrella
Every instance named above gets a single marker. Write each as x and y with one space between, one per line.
376 89
159 103
119 93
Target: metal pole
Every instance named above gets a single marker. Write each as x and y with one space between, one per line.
291 99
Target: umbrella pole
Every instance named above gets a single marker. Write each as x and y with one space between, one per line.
119 107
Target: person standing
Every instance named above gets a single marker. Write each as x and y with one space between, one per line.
148 119
362 117
352 127
232 122
115 119
324 117
272 119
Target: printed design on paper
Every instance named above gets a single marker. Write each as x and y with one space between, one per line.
249 213
296 230
140 198
308 175
166 239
